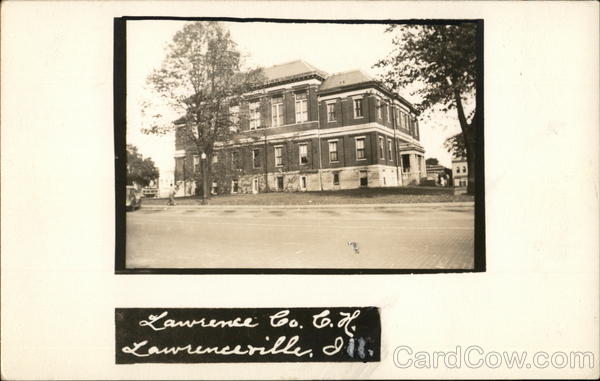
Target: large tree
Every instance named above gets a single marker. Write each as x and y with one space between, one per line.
439 64
201 78
140 170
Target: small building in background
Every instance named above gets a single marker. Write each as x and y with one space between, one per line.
439 173
460 172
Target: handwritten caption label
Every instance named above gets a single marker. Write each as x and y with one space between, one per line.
217 335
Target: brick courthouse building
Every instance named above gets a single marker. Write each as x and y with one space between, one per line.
309 131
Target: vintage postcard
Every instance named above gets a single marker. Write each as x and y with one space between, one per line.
299 190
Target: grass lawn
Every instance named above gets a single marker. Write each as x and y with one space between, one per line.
389 195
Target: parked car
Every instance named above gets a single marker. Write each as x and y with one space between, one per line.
133 198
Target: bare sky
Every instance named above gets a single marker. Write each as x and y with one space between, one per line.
330 47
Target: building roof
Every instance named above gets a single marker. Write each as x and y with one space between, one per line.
347 78
436 167
357 77
294 70
289 70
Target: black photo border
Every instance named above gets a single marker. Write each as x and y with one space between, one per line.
120 155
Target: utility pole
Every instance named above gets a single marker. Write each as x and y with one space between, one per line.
266 145
182 175
204 178
392 114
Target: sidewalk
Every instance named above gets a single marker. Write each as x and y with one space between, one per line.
467 204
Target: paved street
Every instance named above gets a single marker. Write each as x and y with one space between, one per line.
412 237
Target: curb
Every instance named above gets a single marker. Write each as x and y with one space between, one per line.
468 204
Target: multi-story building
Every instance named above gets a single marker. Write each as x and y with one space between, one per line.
309 131
460 172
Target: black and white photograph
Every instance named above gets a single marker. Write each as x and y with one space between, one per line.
284 144
299 190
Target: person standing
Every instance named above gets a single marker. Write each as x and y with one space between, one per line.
172 191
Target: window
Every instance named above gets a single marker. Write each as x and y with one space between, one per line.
301 108
464 169
358 111
279 156
331 112
398 122
378 109
405 163
197 163
333 151
256 158
303 153
234 186
389 142
385 112
234 118
277 111
235 160
405 117
381 148
303 182
254 115
336 178
360 148
364 180
280 183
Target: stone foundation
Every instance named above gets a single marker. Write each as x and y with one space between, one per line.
348 178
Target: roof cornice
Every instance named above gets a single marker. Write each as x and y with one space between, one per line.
367 84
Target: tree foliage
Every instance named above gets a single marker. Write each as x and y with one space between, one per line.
200 78
440 57
455 144
140 170
440 62
432 161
